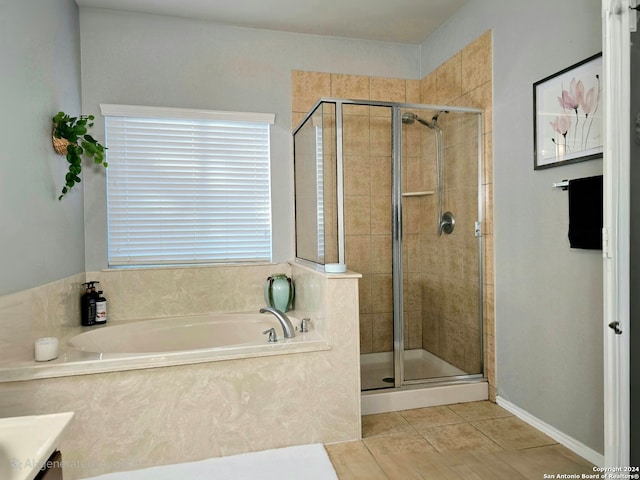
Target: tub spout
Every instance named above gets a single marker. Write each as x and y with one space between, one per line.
287 326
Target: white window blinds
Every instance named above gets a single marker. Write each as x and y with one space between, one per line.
187 186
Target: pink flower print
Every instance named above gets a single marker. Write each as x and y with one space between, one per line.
572 99
589 101
561 124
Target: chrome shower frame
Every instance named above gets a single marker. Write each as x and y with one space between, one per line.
397 243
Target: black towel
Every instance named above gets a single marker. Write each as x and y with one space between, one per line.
585 213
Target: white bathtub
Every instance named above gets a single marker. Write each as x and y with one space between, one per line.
179 334
165 342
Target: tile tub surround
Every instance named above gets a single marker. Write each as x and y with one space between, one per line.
159 416
53 310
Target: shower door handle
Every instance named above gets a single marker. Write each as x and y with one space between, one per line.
615 326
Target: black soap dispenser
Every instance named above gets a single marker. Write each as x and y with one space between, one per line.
88 305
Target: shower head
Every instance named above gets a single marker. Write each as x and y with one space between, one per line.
409 118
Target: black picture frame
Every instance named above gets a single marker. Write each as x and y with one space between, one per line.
567 115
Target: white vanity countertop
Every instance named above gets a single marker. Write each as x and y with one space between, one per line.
26 443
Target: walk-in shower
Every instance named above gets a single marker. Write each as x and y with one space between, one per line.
394 191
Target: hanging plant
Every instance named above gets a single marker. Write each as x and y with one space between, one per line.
70 138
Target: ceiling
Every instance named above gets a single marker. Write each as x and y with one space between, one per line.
398 21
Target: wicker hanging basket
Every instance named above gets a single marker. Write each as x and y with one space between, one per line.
59 144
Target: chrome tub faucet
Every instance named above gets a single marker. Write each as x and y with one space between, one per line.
287 326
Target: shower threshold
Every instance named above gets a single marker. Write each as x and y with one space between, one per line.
376 369
449 384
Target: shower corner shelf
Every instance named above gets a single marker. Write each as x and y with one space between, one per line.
418 194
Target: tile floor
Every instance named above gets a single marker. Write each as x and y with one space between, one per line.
470 441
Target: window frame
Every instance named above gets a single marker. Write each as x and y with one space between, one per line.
267 119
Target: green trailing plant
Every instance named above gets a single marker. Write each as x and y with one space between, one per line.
70 138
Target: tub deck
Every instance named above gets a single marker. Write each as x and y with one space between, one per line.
173 335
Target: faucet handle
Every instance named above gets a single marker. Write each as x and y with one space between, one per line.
272 335
304 325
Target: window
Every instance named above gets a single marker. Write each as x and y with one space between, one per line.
187 186
320 190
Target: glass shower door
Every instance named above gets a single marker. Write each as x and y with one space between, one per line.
441 261
367 141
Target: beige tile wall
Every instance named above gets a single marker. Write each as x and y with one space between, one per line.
127 420
466 80
463 80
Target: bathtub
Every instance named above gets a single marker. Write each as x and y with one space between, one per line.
176 334
163 342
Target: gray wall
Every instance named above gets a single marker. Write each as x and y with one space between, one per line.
635 255
41 239
548 297
164 61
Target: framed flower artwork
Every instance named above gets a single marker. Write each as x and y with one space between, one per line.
567 110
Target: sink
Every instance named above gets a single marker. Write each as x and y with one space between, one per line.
27 442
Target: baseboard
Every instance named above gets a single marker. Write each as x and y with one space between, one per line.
571 443
394 401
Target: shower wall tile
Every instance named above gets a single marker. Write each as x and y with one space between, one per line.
388 89
490 358
412 140
382 337
381 175
457 171
381 247
476 62
463 80
296 119
487 158
480 97
356 131
487 226
380 136
364 294
359 248
351 86
473 352
382 293
452 344
366 333
412 214
449 80
381 215
357 175
380 112
488 259
489 309
357 215
412 287
413 330
307 88
414 172
411 254
429 171
413 91
429 89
